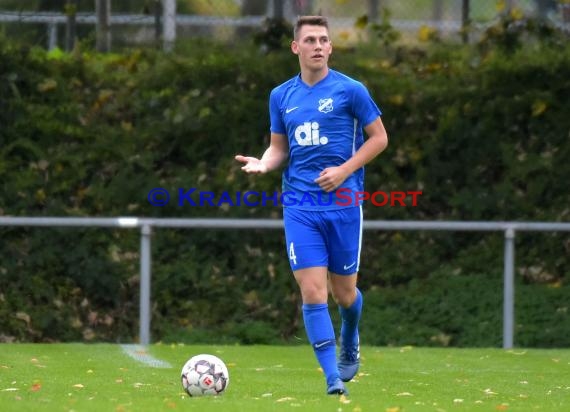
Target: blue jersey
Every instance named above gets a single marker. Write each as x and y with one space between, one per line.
324 126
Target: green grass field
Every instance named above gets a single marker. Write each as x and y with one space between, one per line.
104 377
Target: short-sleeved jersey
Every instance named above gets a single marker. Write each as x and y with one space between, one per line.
324 126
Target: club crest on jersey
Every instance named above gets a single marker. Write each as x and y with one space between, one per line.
308 134
325 105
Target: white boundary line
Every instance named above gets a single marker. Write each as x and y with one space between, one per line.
140 354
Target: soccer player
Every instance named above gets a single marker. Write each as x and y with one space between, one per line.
317 122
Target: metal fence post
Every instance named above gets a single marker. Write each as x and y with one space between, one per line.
157 21
71 24
465 21
144 320
168 24
509 288
52 35
373 8
103 25
278 12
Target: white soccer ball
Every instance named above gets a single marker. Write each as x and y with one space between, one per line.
205 375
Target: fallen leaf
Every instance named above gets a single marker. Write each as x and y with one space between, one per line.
394 409
502 407
404 394
78 385
285 399
458 401
10 389
36 387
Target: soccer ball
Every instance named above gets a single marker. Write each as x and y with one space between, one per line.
205 375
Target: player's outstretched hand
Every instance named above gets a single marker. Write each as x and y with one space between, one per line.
252 164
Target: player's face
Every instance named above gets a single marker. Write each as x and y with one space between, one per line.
313 46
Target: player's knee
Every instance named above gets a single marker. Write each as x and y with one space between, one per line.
344 298
339 300
313 293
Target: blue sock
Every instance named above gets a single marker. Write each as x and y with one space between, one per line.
350 317
320 331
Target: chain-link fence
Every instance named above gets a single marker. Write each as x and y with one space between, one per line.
141 22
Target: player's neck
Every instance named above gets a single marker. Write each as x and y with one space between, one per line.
311 78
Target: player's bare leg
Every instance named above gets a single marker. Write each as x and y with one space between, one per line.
313 284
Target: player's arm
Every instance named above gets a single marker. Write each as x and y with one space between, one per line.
273 157
332 177
375 144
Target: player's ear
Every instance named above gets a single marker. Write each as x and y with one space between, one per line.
295 47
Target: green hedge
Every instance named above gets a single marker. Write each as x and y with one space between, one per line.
482 131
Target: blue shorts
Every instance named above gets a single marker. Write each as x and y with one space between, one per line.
329 238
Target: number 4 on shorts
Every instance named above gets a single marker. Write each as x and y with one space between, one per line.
292 256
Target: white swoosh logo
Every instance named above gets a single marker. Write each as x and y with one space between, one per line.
348 267
320 345
291 109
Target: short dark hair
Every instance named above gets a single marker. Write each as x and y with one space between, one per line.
309 21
